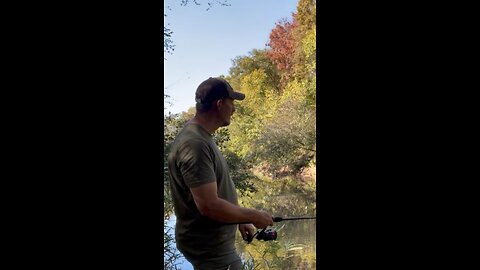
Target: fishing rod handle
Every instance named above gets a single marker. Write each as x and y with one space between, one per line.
277 219
248 222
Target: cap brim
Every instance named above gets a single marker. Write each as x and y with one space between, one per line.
237 96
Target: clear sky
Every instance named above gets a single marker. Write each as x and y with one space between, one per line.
206 42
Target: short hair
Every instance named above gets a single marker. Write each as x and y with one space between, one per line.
204 107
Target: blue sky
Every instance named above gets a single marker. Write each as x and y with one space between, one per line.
207 41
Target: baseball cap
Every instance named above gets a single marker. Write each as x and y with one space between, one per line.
216 88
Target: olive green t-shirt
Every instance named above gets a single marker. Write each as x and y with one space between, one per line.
194 160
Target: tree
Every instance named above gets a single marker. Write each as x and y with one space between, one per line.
283 46
254 60
306 15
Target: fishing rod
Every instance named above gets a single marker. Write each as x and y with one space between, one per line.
279 219
276 219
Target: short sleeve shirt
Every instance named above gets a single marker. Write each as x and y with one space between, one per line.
194 160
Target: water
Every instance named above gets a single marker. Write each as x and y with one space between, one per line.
295 247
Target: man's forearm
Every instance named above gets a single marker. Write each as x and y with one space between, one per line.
224 211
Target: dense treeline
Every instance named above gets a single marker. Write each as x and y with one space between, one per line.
274 127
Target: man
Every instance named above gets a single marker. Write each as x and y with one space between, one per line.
204 196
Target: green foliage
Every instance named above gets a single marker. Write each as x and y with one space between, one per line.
239 169
241 172
287 145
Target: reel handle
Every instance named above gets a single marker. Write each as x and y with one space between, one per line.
250 239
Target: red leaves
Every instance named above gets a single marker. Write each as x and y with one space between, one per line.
282 44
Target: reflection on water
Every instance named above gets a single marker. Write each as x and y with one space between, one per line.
295 247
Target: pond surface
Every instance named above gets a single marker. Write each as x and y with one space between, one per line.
295 247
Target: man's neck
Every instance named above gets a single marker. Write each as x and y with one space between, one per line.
208 125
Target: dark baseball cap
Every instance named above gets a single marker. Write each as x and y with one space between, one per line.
216 88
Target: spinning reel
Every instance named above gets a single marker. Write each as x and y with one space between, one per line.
265 235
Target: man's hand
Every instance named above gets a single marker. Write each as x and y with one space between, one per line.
247 231
262 219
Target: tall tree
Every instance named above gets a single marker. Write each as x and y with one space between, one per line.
303 35
283 46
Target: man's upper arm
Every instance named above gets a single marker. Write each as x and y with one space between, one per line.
196 163
204 195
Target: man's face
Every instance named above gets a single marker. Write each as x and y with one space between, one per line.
226 111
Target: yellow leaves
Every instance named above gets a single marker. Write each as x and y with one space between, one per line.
256 86
309 44
293 91
253 85
309 47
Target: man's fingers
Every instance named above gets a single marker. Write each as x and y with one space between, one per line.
243 231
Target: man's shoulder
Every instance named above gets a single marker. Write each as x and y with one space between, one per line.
191 139
193 132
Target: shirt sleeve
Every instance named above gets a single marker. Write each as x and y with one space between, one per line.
196 163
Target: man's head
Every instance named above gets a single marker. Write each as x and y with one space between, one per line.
215 97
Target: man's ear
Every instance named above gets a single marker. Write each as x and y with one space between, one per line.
219 103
